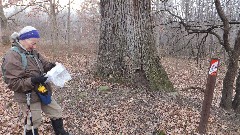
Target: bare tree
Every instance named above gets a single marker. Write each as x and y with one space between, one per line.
233 53
69 23
52 8
220 28
4 26
54 24
4 20
88 24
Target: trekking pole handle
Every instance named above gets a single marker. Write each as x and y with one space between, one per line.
28 98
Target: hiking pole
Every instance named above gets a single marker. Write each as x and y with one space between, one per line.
28 113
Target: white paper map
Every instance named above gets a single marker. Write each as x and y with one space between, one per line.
58 75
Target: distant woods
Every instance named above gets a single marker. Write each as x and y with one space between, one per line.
67 23
200 30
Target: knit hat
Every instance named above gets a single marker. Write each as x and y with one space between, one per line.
28 32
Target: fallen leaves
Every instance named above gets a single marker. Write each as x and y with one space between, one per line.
124 110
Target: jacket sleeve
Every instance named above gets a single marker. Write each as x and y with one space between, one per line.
14 73
46 64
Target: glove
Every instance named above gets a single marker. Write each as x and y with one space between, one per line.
51 65
28 91
38 80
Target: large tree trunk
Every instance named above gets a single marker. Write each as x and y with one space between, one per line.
157 22
127 51
4 32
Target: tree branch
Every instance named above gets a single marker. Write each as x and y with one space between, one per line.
224 41
183 46
30 4
45 8
226 27
218 37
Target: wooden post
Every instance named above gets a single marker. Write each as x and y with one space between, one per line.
208 95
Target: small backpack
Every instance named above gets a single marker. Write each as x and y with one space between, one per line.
23 57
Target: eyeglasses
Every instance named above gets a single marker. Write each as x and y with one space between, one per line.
30 42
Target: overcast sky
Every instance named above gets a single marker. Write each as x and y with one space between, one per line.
75 4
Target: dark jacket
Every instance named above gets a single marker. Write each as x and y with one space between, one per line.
18 79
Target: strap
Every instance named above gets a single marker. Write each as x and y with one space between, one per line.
3 71
23 56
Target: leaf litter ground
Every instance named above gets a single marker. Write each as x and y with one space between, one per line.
125 110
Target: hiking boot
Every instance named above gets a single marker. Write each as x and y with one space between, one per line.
29 132
58 127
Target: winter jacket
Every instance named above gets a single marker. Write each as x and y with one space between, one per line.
18 79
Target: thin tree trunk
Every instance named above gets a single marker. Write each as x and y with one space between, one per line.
4 27
236 101
233 53
227 93
54 25
69 23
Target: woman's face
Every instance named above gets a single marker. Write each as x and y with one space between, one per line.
29 44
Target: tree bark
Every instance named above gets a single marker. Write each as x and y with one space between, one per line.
236 101
4 27
69 23
54 25
227 92
233 53
127 51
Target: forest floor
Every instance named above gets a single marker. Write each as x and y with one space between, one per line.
123 110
